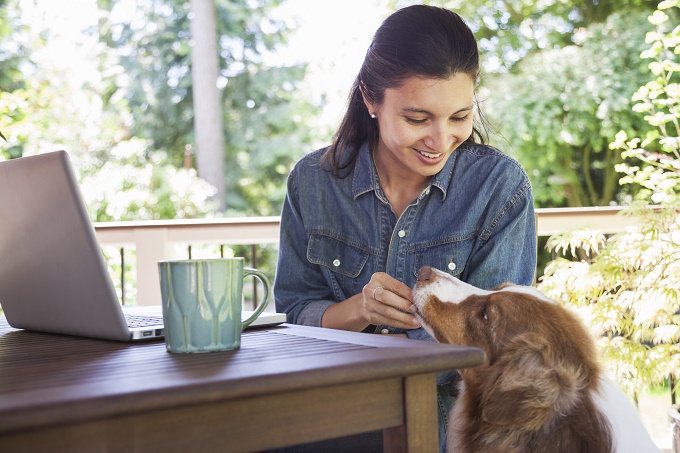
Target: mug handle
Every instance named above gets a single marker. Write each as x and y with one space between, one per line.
247 272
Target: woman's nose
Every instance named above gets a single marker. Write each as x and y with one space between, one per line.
439 139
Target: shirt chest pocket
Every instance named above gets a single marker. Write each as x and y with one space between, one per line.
337 255
449 257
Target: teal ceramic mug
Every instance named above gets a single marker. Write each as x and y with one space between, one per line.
202 303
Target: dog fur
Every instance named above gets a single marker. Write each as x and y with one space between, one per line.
541 388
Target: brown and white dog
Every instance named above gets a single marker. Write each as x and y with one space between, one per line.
540 389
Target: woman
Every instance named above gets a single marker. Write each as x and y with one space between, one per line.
406 182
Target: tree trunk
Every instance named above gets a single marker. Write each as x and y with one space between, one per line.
210 148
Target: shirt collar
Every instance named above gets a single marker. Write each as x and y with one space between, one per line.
365 177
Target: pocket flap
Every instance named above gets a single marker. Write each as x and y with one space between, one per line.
449 258
337 255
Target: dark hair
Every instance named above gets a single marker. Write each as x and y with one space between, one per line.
418 40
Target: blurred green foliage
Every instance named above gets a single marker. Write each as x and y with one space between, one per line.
628 286
560 108
148 74
510 30
557 84
129 129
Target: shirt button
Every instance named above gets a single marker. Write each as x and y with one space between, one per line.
384 331
336 262
452 266
402 233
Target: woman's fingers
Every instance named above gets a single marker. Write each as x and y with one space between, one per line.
387 301
388 315
381 282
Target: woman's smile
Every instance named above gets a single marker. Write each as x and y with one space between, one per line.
429 158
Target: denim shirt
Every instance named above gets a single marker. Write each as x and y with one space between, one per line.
475 220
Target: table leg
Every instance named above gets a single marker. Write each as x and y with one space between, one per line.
420 432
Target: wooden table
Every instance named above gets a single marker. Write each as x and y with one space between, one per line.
286 385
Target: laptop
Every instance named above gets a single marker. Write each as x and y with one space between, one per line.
53 276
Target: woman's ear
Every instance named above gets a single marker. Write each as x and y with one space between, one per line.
369 105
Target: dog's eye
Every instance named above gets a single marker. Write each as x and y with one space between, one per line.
482 313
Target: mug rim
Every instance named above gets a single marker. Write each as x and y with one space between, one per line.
199 260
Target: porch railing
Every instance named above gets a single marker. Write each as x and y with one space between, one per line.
156 240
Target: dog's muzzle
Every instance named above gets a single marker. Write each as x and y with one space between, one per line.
424 273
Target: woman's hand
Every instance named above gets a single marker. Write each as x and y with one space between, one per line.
383 301
387 301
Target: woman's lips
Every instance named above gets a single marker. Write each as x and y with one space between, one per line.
428 158
430 155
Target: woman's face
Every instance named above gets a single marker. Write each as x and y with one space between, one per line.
423 121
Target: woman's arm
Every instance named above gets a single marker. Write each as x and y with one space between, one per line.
300 289
506 248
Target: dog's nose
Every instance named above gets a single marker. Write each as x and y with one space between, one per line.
424 273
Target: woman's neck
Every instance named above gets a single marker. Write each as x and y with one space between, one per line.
400 185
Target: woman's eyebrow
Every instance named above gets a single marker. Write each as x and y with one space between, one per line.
426 112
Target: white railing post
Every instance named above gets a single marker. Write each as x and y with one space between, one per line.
152 246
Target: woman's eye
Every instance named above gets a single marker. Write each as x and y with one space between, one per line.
414 120
460 118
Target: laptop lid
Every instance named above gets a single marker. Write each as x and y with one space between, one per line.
53 277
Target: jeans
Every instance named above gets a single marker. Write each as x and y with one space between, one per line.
445 402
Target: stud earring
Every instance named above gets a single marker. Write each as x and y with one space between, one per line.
372 115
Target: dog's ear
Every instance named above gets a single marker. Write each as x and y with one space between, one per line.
528 385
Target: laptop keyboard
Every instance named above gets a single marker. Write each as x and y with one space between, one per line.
143 321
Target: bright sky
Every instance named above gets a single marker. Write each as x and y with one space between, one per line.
332 37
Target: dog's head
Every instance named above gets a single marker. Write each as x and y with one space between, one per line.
455 312
539 356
